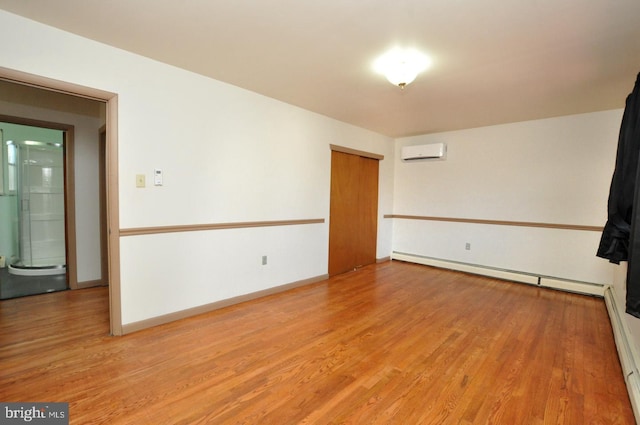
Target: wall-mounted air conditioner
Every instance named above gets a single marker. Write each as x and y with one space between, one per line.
430 151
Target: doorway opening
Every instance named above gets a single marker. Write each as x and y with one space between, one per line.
33 233
110 180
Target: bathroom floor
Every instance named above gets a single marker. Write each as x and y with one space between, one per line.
13 286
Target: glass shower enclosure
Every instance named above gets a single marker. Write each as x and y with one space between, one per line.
36 172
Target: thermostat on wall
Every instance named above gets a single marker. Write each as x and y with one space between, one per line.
157 177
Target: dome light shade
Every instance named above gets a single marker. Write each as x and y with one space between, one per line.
400 66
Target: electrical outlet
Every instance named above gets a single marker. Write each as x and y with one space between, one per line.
467 246
264 260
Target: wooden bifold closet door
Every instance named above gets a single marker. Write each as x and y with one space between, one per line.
353 221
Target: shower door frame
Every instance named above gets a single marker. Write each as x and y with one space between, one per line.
69 189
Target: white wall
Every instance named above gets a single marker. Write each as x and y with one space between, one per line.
86 179
554 170
228 155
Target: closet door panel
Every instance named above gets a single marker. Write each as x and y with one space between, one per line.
353 212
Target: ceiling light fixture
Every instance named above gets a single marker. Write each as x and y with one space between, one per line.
401 66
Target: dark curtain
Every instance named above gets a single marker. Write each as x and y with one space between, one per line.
620 239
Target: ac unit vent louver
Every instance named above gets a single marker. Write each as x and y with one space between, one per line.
430 151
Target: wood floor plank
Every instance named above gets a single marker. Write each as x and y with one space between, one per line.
391 343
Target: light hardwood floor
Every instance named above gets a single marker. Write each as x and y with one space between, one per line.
392 343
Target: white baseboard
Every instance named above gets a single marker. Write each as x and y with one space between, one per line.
626 351
511 275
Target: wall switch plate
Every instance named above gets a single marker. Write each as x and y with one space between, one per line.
264 260
157 177
140 180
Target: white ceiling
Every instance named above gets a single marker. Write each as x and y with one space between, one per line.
495 61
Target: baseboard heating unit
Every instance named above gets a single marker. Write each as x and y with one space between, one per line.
626 352
511 275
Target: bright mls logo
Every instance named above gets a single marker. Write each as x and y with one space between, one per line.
34 413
